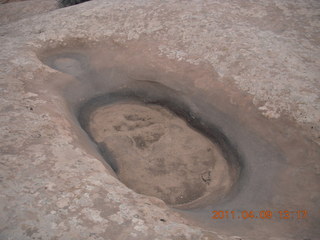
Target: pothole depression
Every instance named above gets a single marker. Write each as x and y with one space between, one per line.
159 148
152 123
152 136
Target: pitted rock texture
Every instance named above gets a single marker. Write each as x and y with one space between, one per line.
156 153
258 45
11 11
53 188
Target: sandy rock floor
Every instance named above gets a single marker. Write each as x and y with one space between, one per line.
158 155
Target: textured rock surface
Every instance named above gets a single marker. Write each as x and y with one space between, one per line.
16 10
156 153
53 189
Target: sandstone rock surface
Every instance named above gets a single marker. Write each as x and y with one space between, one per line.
264 62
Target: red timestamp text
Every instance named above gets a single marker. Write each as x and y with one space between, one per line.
260 214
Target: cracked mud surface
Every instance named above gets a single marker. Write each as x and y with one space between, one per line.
158 154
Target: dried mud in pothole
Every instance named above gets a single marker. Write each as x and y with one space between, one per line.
156 153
